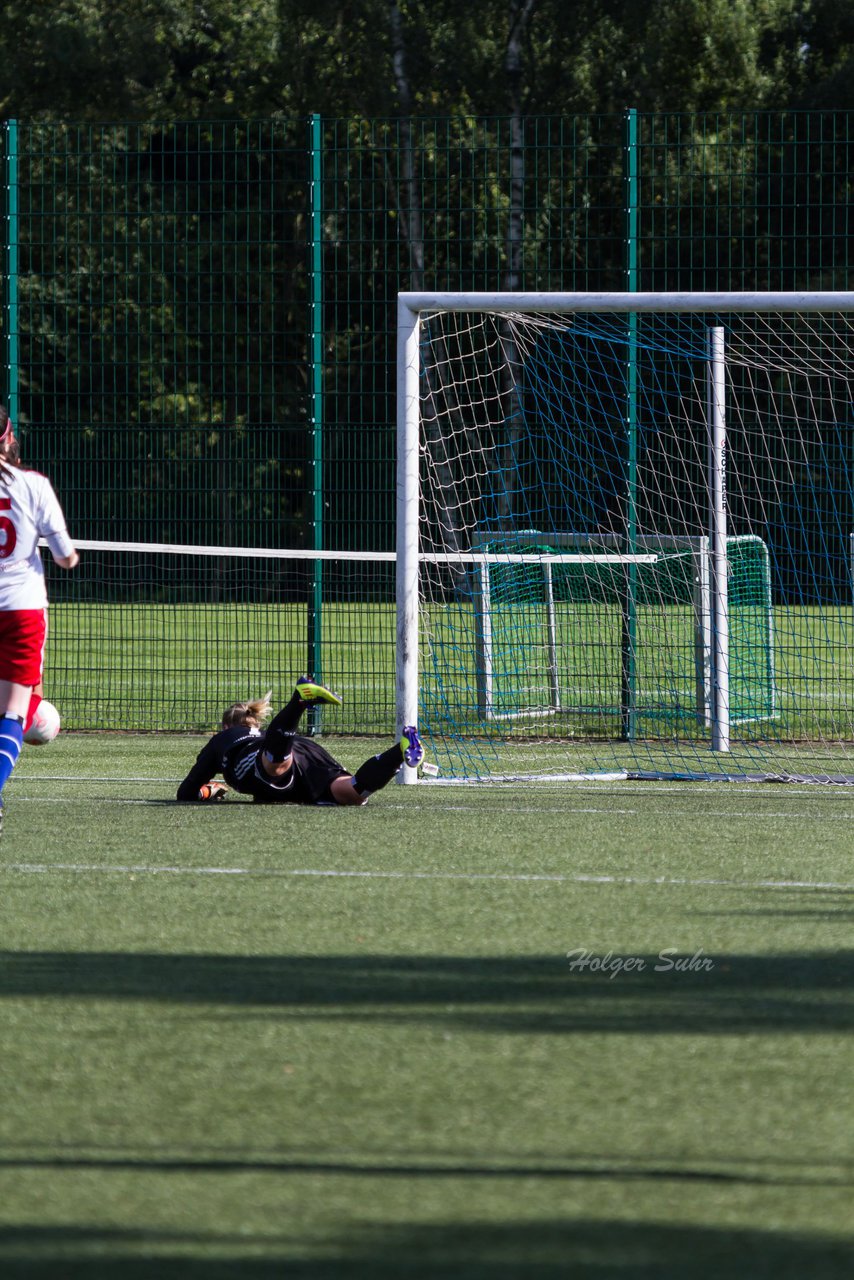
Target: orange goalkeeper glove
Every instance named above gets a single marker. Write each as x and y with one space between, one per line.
213 791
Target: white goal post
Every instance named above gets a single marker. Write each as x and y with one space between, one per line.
632 552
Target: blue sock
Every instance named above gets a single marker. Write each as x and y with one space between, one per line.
11 741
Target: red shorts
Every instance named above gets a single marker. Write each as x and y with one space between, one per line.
22 639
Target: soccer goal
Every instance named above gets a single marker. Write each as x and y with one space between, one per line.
624 533
678 570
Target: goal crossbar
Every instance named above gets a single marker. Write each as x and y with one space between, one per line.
616 302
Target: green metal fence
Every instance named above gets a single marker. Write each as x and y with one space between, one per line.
199 318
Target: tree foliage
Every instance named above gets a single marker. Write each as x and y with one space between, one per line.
164 283
209 59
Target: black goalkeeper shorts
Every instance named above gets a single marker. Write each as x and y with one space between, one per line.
314 769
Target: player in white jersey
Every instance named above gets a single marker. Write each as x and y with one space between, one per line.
29 510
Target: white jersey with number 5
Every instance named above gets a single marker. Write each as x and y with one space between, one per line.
29 510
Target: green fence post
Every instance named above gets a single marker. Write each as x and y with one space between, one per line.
628 693
11 255
315 609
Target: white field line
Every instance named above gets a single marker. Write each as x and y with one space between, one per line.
20 776
542 785
512 877
564 810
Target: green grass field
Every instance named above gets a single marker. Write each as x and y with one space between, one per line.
144 666
253 1043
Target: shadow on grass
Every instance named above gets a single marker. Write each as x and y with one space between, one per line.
776 1173
831 906
729 993
536 1250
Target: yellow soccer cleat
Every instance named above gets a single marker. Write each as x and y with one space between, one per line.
311 692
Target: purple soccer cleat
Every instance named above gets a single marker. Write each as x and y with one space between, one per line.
411 746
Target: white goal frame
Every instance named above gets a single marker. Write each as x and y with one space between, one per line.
411 307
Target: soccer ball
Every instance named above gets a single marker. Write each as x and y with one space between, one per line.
45 725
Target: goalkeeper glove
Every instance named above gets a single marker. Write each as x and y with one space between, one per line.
213 791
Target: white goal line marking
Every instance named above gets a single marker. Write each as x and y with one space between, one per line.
569 812
542 784
513 877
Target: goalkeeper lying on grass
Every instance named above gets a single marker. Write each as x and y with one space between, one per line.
278 766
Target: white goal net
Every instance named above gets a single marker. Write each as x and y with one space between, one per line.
624 533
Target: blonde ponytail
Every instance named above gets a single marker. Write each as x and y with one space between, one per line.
252 713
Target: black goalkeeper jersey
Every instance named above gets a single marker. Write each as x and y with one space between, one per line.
235 754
